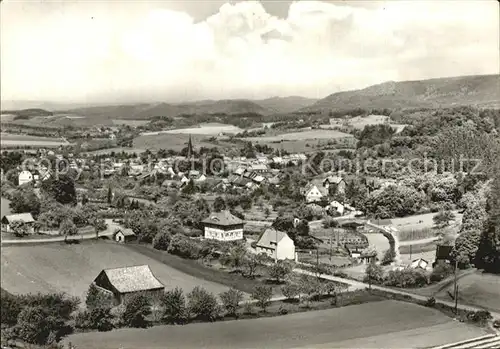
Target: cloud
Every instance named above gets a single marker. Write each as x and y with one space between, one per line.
89 51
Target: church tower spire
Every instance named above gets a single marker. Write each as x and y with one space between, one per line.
190 148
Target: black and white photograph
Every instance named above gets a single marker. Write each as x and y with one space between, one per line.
216 174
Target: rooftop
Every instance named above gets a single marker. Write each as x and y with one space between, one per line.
222 218
23 217
133 279
270 238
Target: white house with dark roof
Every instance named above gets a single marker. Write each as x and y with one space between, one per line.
313 193
276 244
26 218
223 226
126 281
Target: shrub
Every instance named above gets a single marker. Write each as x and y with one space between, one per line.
441 271
161 241
290 291
406 278
137 308
389 256
280 270
97 298
202 304
430 302
230 300
248 308
262 294
374 273
100 319
184 247
174 306
480 316
283 310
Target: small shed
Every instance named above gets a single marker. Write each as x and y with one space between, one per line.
26 218
124 235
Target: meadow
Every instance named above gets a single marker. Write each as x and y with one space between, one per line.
71 268
212 129
177 142
382 324
359 122
4 207
478 289
20 140
301 135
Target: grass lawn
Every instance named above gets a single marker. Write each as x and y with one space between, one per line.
71 268
177 142
4 206
401 323
213 273
478 289
420 248
419 222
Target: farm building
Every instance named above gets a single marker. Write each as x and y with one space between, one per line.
223 226
26 218
335 184
276 244
124 235
126 281
25 177
443 254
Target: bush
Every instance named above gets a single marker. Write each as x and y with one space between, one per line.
101 319
374 273
290 291
441 271
262 294
97 298
389 256
430 302
283 310
137 308
280 270
230 300
406 278
202 304
161 241
184 247
174 306
480 316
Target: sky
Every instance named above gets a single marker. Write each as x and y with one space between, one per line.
116 51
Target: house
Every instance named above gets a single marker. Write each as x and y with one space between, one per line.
126 281
25 177
419 263
313 193
258 168
223 226
276 244
335 183
26 218
124 235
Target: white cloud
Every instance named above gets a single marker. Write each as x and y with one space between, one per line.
241 51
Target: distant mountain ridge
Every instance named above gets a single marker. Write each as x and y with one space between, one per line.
478 90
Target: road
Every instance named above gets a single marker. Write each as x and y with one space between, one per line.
112 226
361 285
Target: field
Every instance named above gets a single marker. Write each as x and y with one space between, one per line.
384 324
116 150
131 123
176 142
212 129
359 122
4 207
418 222
304 135
479 289
71 268
14 140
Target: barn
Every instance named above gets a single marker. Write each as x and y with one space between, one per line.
25 218
126 281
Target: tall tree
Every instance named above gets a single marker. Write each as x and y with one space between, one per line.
68 228
62 189
25 200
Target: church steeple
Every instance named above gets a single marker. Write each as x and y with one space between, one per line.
190 148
